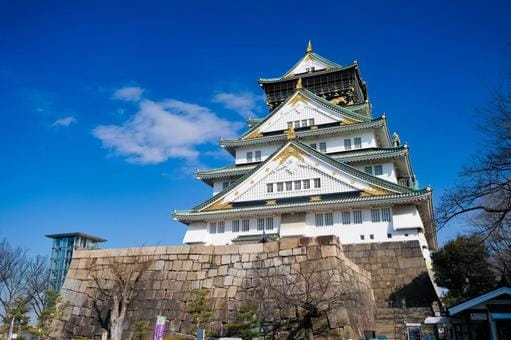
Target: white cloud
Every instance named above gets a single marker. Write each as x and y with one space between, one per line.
129 93
66 121
243 103
163 130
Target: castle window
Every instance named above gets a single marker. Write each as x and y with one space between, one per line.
225 185
306 184
298 185
378 170
221 227
249 157
236 226
358 142
389 235
289 186
245 225
357 217
314 146
319 220
269 187
269 223
212 227
304 123
347 144
260 224
346 217
322 147
311 121
375 215
289 125
386 215
362 237
406 235
329 219
297 124
317 182
368 170
280 186
258 156
371 236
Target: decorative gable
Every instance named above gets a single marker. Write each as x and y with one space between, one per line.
308 64
287 172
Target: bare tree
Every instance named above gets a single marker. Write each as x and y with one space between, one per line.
299 299
37 283
117 284
483 197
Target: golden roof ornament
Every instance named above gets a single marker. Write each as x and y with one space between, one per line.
299 84
291 134
309 47
396 141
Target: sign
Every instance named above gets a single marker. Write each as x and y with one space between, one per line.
478 316
160 327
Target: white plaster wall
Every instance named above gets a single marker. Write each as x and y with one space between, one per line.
302 67
228 235
266 151
389 172
407 217
196 232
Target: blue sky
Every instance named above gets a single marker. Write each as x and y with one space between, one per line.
108 107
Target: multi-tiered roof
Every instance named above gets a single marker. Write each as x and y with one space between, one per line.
337 99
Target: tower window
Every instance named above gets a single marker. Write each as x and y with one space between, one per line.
375 215
311 121
304 123
317 182
298 185
289 186
245 225
368 170
260 224
319 220
389 235
307 184
258 156
346 217
314 146
371 236
221 227
269 187
212 227
289 125
322 147
357 216
329 219
269 223
358 142
297 124
280 186
236 226
249 157
362 237
347 144
378 170
386 215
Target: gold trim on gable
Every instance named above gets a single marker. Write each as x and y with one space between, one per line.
288 152
254 134
219 205
271 202
315 199
374 191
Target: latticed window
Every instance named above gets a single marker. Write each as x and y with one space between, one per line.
269 187
260 224
212 227
346 217
357 216
317 182
329 219
375 215
368 170
289 186
314 146
378 170
306 184
280 186
258 156
269 223
304 123
297 124
322 147
236 226
319 220
347 144
358 142
221 227
311 121
245 225
249 157
386 215
289 125
298 185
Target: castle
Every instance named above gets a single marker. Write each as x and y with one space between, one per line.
317 182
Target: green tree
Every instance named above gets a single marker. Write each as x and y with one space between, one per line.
461 266
246 324
199 309
141 327
53 309
19 311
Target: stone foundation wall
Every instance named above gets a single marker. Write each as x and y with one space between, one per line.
231 273
402 287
